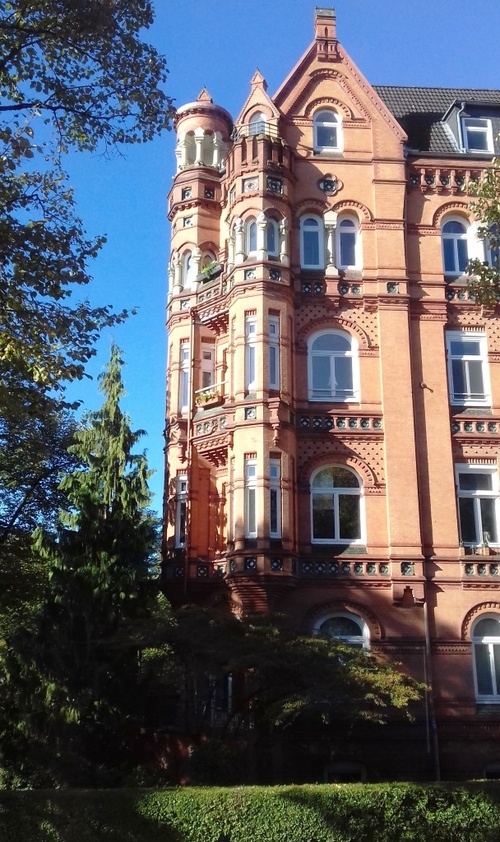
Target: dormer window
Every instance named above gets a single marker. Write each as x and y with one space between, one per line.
477 134
327 132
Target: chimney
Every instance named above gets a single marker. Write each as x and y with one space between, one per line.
325 25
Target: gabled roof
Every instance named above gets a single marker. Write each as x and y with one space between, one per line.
421 113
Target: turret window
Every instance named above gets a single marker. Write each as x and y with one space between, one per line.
251 236
275 498
272 238
184 377
257 124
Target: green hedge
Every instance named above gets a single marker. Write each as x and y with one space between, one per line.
327 813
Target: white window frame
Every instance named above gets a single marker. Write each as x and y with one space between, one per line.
476 495
341 263
319 229
251 498
477 126
490 642
257 124
327 118
274 353
275 497
361 640
207 366
337 492
333 396
184 376
181 510
250 353
455 271
465 338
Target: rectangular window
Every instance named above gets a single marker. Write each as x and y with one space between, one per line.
180 512
250 498
274 352
184 359
275 498
478 505
207 366
250 353
477 134
468 369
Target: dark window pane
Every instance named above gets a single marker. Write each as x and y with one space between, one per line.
496 667
453 227
334 342
476 482
273 515
343 376
326 136
347 248
488 520
468 531
475 372
457 370
483 670
340 627
489 627
321 376
271 238
349 517
343 479
463 256
311 248
323 521
449 255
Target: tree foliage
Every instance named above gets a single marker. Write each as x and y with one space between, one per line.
72 678
286 678
484 280
73 74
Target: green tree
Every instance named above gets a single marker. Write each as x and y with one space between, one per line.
73 680
484 280
282 682
73 74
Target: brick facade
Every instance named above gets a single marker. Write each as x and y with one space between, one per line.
313 413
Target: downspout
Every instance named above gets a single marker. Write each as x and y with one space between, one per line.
189 449
430 695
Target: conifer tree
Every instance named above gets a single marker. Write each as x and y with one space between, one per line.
71 682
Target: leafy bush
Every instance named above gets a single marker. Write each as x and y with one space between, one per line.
327 813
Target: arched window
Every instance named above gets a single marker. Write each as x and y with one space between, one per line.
348 243
272 238
455 249
346 627
327 131
257 124
336 507
251 236
332 367
312 248
486 656
188 269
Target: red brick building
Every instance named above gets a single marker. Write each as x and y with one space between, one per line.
333 399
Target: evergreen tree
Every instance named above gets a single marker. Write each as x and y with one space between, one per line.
73 682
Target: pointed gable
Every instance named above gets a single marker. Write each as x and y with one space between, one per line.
326 76
258 101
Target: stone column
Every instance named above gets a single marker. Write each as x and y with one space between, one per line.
261 237
239 230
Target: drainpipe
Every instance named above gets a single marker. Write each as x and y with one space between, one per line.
189 448
430 710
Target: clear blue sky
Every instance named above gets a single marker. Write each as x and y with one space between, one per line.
219 44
